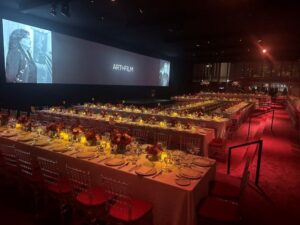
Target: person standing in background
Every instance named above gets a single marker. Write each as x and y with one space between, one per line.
20 67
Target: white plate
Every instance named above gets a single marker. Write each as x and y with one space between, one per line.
145 171
190 173
41 143
85 155
59 148
202 162
114 162
9 134
183 182
24 138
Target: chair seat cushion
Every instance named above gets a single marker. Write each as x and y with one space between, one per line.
139 208
225 190
92 197
61 187
218 210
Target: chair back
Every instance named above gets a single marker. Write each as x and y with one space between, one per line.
162 138
49 169
2 110
122 200
9 158
13 113
23 113
141 134
191 143
26 165
32 109
79 179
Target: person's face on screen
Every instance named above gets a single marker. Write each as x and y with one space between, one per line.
26 43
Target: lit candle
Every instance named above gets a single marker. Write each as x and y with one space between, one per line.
83 140
19 126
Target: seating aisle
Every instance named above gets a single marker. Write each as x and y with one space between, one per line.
277 199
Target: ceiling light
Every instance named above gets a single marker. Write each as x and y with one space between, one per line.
259 41
197 45
141 11
264 51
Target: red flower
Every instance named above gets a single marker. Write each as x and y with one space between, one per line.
23 119
154 149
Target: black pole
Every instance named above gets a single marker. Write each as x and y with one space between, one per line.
258 162
272 120
249 128
229 161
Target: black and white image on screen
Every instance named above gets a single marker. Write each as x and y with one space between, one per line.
164 73
27 53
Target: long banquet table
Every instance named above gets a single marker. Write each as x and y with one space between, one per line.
172 204
219 125
205 134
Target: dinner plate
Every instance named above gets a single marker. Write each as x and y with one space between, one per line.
25 138
85 155
183 181
145 171
91 148
9 133
59 148
41 143
190 173
114 162
202 162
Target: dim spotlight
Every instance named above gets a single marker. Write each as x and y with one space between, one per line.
53 9
65 9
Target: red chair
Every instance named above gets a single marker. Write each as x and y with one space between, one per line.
56 186
219 211
87 198
230 187
122 207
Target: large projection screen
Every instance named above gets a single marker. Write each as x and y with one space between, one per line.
35 55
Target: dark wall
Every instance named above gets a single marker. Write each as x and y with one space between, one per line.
21 96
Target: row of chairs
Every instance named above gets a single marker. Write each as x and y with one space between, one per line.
71 185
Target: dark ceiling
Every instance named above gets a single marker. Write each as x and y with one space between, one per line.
198 30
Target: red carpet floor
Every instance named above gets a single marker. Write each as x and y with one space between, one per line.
277 198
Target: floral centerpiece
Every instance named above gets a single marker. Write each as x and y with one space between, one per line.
3 119
90 137
121 140
53 129
153 152
76 130
24 122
